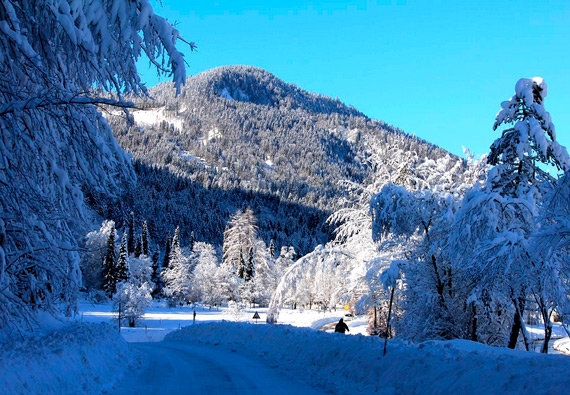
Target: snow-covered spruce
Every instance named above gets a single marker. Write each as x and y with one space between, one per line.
493 242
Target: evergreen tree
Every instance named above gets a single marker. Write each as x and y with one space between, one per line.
122 264
175 240
109 263
178 276
241 266
239 238
272 248
131 239
138 248
192 241
250 267
497 222
166 259
156 277
145 239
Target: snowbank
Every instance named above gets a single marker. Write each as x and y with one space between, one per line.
340 363
81 358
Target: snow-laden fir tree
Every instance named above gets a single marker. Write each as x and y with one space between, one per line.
58 59
239 239
177 276
145 236
138 248
109 263
121 272
131 246
167 248
494 230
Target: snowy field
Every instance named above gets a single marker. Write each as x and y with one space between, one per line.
160 319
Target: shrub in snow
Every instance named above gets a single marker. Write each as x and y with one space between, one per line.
236 310
97 296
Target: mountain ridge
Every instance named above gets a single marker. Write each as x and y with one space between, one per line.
240 128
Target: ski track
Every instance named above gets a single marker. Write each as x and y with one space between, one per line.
177 368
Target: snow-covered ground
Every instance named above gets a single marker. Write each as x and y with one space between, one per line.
335 363
160 319
215 355
72 359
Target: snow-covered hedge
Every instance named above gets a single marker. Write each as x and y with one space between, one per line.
354 364
82 358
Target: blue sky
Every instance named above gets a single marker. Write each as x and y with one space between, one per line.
438 69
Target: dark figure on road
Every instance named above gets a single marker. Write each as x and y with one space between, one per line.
341 327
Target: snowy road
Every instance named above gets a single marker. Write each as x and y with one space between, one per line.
181 368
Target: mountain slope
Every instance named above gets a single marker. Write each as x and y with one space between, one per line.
240 129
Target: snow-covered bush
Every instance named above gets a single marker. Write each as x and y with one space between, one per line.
132 300
236 310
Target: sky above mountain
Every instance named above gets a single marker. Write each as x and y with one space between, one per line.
438 69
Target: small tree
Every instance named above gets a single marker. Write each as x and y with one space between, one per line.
132 300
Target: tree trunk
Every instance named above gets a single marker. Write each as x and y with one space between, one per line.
518 325
388 329
375 319
474 323
547 336
515 329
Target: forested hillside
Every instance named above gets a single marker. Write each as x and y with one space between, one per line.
238 136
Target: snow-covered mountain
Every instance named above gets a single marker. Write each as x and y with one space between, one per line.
238 136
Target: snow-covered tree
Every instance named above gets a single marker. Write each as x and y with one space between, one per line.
167 248
132 300
91 262
109 263
205 284
145 236
121 272
140 270
58 59
156 274
131 244
494 229
177 276
239 239
227 283
326 270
